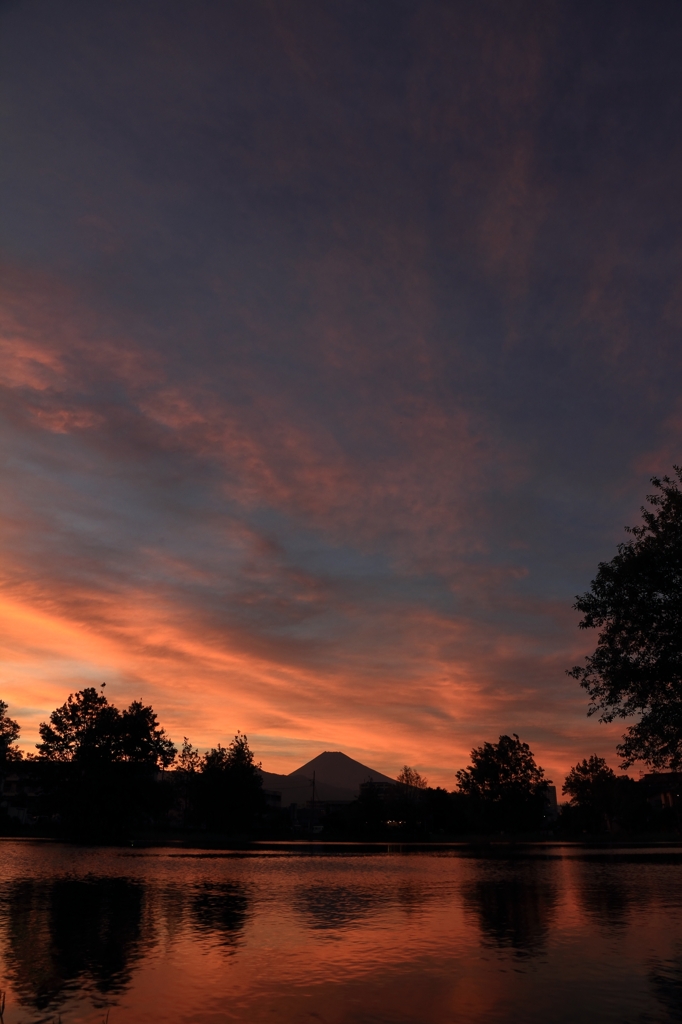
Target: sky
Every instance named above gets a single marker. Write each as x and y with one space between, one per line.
338 344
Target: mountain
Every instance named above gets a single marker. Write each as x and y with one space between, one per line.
337 777
339 770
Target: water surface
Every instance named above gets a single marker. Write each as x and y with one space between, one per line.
561 935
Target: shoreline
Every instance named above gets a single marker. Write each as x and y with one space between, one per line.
473 847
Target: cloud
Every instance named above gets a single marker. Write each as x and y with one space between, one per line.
332 360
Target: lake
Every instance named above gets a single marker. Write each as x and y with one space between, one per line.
548 934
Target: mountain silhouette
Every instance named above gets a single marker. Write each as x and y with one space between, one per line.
337 777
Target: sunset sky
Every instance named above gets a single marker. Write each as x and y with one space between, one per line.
339 342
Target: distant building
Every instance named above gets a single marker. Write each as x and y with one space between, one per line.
551 806
18 791
379 789
662 789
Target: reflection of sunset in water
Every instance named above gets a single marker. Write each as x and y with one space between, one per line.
185 936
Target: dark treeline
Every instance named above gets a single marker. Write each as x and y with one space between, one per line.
104 774
504 792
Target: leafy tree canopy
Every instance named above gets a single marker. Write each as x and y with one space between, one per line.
502 771
635 601
83 728
9 734
588 781
87 728
232 786
237 758
142 741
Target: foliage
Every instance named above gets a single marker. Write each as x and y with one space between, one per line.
231 793
97 766
96 774
506 784
90 730
9 734
591 785
237 759
635 601
411 778
141 740
500 768
189 758
603 801
83 729
588 780
187 783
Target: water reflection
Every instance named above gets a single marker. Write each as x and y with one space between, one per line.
71 930
666 981
515 904
220 910
607 895
332 907
89 934
158 937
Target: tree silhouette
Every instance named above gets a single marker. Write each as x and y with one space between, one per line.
588 780
232 786
506 783
88 729
591 785
99 766
85 728
189 758
411 778
237 759
9 734
141 739
635 601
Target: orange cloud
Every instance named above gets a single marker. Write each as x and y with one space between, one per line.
218 620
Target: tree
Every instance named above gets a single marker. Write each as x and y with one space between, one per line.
188 781
241 759
189 758
9 734
141 739
232 790
100 772
588 782
237 759
411 778
88 729
505 783
591 785
215 760
600 799
635 601
85 728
